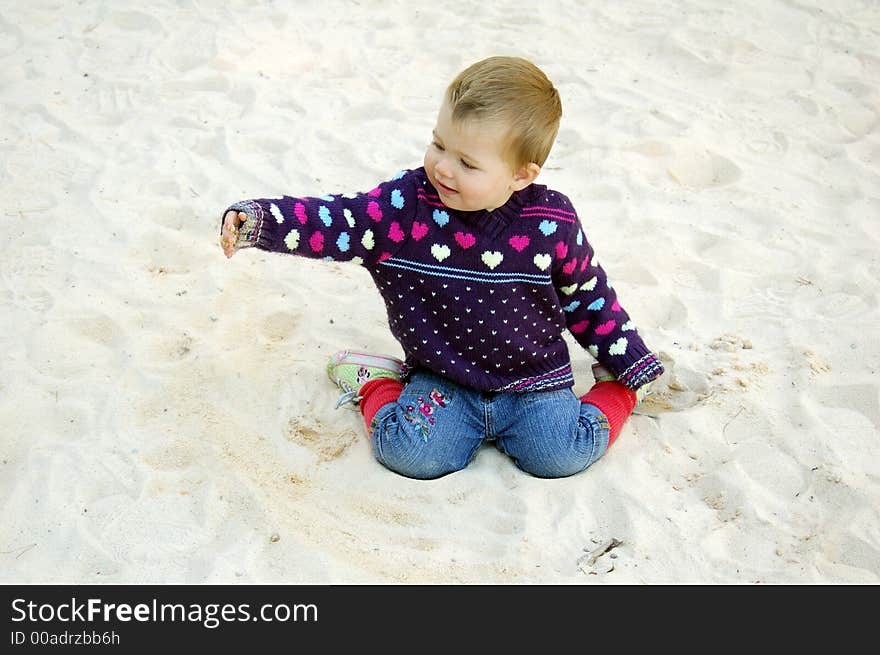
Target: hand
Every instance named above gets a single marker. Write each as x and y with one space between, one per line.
229 236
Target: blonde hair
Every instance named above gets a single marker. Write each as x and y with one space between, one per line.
515 92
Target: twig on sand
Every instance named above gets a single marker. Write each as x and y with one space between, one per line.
730 420
587 563
21 551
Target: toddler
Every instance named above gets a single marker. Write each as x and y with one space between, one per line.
481 270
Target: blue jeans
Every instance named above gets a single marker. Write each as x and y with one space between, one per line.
436 427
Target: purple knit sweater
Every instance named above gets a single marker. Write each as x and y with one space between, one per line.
481 297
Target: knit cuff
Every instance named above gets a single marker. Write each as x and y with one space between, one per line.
641 372
249 231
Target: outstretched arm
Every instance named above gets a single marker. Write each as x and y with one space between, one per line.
361 227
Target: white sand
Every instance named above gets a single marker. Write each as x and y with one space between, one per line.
165 414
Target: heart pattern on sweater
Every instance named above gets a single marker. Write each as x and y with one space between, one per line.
519 242
492 259
619 346
419 230
465 239
374 211
542 261
440 252
606 327
299 210
395 233
397 199
367 241
440 217
292 239
547 227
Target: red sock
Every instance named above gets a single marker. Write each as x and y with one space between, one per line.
377 393
615 401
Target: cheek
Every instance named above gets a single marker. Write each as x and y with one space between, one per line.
469 186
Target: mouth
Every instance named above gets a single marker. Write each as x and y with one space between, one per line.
442 188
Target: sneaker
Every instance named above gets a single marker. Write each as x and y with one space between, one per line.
602 374
643 392
350 371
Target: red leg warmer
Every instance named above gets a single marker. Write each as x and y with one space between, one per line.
615 401
377 393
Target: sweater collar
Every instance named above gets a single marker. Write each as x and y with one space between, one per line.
500 216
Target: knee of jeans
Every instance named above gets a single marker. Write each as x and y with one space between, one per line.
416 469
412 463
565 457
559 465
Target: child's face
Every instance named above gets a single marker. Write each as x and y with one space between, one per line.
465 162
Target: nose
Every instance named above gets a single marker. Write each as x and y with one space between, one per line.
442 168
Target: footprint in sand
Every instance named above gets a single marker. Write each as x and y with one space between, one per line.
690 165
100 329
33 276
324 442
278 326
853 405
697 168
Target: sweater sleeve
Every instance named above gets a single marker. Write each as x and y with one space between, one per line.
365 228
594 316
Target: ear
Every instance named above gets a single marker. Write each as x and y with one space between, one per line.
525 176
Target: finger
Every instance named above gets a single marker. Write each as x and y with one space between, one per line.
232 221
228 238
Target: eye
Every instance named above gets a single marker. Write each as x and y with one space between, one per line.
437 145
467 166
